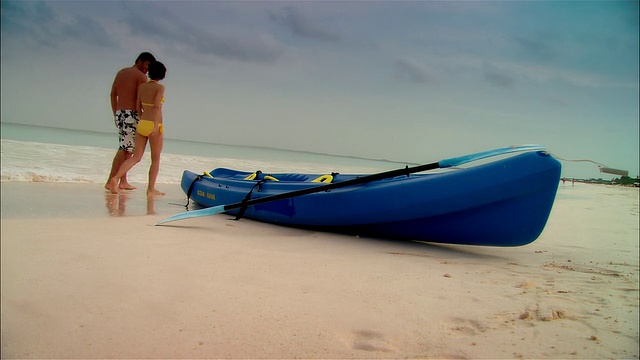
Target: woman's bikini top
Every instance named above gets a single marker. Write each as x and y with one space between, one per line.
147 104
161 101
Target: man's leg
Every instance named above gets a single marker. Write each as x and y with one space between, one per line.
119 159
126 122
124 184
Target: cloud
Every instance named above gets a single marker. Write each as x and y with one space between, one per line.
37 22
257 49
536 48
87 30
497 78
414 72
32 22
302 26
173 33
630 12
555 100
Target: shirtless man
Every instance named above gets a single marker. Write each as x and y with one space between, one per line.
150 129
124 93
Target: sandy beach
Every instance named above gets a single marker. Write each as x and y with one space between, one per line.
87 275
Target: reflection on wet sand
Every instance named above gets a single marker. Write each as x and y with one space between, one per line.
116 203
151 204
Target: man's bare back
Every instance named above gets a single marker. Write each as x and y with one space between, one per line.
125 88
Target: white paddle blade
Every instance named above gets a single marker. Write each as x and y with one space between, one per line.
192 214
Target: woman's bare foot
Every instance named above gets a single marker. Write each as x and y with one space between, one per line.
112 186
126 186
152 192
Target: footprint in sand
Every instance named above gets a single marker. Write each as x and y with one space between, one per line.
467 326
369 340
548 315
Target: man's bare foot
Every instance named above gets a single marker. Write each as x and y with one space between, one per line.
112 186
153 192
126 186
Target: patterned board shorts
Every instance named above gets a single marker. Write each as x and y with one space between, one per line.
127 122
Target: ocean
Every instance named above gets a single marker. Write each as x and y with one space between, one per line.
44 154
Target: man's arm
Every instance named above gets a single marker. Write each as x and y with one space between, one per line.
138 103
114 96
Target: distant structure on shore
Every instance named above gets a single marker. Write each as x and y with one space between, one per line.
622 181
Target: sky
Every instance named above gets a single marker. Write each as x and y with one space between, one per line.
415 81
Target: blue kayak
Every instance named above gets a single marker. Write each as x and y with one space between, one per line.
505 202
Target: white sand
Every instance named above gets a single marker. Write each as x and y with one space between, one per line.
79 283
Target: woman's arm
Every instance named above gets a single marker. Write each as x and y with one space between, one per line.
157 103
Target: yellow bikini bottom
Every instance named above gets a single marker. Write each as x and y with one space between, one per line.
145 127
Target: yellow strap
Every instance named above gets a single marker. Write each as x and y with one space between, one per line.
207 174
266 177
324 179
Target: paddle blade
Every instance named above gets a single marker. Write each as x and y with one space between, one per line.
192 214
485 154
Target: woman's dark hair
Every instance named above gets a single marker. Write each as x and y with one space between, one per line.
157 71
145 56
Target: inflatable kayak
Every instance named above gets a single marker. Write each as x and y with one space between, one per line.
505 202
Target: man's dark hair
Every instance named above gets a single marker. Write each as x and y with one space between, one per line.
145 56
157 71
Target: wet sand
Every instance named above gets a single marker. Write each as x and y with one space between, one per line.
87 275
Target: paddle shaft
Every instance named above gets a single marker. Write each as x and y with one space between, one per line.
361 180
387 174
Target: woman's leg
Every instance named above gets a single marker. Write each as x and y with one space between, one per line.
156 142
138 152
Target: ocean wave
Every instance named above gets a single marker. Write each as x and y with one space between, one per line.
35 177
43 162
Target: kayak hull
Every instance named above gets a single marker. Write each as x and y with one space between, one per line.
506 202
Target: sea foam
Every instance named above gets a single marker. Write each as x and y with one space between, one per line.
45 162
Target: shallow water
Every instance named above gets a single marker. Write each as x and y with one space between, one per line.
43 154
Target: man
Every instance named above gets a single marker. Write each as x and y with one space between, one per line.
124 93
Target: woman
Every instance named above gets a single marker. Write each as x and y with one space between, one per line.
149 106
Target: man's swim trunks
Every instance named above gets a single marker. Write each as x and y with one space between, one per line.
145 127
127 122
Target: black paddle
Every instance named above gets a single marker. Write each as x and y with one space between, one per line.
361 180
